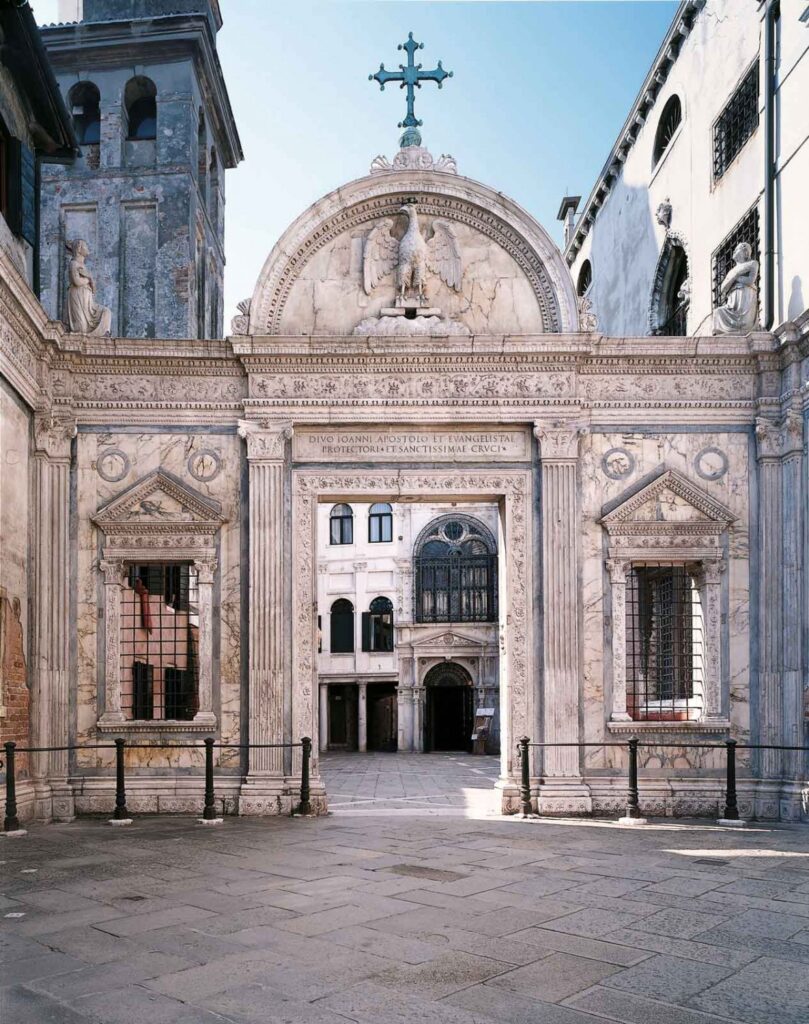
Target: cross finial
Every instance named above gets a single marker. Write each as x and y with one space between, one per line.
410 76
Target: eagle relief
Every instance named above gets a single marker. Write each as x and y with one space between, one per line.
411 260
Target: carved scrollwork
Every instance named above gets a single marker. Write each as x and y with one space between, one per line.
559 440
53 435
266 439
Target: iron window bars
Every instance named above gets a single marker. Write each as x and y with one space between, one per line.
456 576
736 123
664 672
669 123
745 231
159 642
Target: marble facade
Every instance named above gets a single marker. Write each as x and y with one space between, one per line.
592 449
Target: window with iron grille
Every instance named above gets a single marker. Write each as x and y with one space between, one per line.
159 642
667 125
745 231
377 626
341 525
456 574
664 678
736 123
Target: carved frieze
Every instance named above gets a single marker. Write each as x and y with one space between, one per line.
117 388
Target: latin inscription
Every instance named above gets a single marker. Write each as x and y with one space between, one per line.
410 445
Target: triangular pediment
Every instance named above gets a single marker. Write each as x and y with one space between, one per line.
669 498
159 498
449 638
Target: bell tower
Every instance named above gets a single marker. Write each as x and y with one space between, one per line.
143 83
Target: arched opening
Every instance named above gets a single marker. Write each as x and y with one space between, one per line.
670 295
140 104
380 523
456 572
84 101
666 127
341 525
377 626
585 278
449 713
342 627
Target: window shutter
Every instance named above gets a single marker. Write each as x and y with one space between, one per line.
21 191
366 631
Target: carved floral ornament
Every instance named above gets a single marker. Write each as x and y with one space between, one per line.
363 203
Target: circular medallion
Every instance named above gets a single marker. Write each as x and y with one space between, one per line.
204 465
618 463
711 463
112 465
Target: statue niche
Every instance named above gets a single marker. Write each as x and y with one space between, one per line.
84 314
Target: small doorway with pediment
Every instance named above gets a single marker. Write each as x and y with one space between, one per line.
449 710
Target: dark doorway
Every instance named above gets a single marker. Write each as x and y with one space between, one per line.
449 718
343 717
382 717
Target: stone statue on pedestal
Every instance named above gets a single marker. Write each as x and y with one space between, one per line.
739 313
84 315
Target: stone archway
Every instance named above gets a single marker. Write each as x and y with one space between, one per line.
449 710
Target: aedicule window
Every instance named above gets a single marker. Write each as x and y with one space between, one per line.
160 642
736 123
664 670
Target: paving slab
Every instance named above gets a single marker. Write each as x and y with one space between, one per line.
555 977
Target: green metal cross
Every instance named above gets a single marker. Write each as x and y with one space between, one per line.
411 76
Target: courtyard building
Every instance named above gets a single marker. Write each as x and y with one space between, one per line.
439 488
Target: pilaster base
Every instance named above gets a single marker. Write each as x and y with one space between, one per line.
267 795
563 797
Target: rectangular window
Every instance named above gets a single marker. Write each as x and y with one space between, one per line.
377 631
736 123
160 642
745 231
663 644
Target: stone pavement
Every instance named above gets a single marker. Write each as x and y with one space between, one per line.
411 783
397 918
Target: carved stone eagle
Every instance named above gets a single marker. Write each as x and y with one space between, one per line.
411 258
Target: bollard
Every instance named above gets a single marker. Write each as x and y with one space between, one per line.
730 816
11 822
633 815
525 777
306 757
209 809
120 814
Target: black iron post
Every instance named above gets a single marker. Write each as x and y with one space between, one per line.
306 757
731 806
11 822
632 804
209 810
120 813
525 777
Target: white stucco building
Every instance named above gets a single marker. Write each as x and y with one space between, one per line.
713 152
407 618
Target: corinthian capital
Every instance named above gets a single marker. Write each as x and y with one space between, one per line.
266 439
559 439
53 434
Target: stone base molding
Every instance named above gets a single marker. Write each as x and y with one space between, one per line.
269 796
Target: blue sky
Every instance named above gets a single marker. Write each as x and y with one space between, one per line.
539 92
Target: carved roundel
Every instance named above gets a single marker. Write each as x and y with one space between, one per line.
204 465
711 463
113 465
618 463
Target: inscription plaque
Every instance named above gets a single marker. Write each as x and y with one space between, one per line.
417 445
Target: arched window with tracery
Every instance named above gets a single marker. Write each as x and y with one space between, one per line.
377 625
380 523
342 627
341 525
140 104
456 572
668 124
84 101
